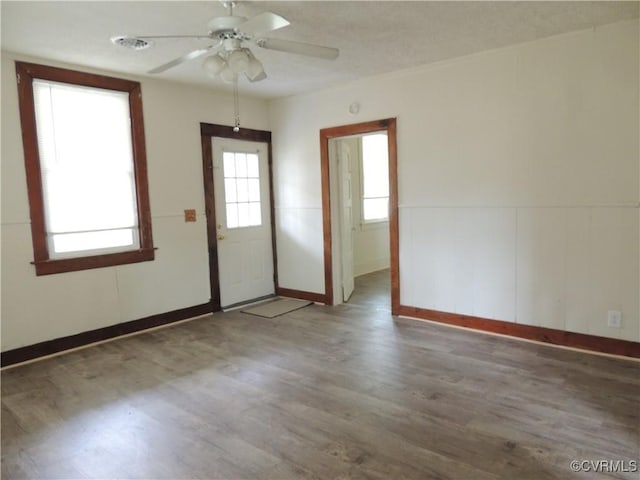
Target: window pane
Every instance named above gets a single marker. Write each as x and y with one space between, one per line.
375 166
229 160
73 242
232 215
253 167
87 176
243 189
80 200
243 215
241 165
254 190
376 208
230 193
71 122
255 216
242 192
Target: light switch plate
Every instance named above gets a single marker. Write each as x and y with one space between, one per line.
190 215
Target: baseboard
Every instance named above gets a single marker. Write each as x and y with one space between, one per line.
31 352
302 295
530 332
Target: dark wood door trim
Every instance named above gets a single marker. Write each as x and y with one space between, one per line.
388 125
207 132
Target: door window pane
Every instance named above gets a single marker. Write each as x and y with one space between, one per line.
229 160
253 167
230 190
232 215
254 189
242 189
255 215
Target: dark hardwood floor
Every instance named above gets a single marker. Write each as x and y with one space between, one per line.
322 392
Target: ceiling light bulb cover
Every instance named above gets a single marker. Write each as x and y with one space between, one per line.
255 69
213 65
228 75
238 61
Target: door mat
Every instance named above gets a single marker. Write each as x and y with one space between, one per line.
277 307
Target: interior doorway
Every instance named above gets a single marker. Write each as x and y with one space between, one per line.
359 167
338 206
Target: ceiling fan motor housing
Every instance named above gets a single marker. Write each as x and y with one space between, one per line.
221 26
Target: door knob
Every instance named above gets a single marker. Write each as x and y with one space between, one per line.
220 236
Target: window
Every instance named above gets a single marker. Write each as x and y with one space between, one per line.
375 178
85 161
242 189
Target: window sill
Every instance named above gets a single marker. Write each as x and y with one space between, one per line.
62 265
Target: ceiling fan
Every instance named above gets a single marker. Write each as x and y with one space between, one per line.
229 36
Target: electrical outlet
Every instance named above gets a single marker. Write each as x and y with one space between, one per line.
614 319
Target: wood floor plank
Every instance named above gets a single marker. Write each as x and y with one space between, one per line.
320 393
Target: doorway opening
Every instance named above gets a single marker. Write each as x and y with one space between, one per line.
349 212
360 167
238 188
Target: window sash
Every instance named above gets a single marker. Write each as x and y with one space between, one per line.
88 182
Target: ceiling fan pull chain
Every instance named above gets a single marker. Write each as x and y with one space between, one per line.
236 103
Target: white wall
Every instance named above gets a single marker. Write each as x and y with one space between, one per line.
36 309
518 180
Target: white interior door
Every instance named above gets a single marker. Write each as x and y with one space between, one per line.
345 163
243 217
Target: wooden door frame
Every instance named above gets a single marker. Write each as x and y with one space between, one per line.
207 132
388 125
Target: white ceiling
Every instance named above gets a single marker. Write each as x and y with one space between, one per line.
374 37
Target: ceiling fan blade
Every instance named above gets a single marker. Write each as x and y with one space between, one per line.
185 58
172 36
263 23
299 48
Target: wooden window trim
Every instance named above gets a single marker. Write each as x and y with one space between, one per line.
44 265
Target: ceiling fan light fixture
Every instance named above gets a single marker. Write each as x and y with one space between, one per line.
255 69
213 65
227 75
238 61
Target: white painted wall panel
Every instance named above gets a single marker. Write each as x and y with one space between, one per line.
36 309
465 267
167 283
579 281
614 259
299 234
371 248
541 266
532 151
406 247
494 259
